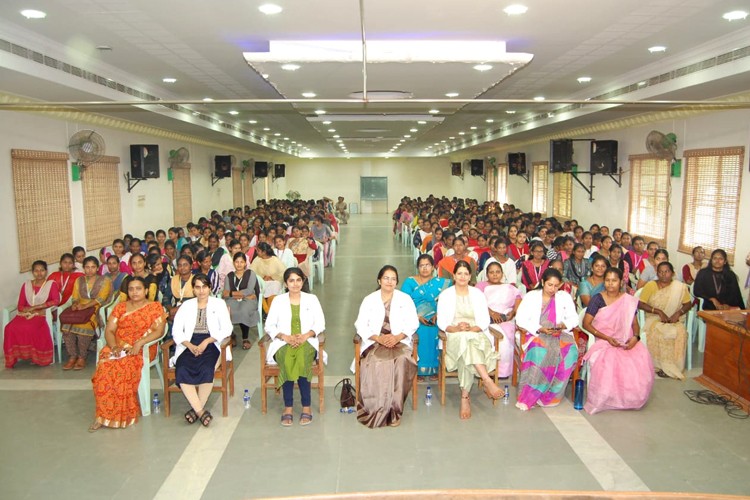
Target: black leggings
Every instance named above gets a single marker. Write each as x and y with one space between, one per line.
245 331
287 389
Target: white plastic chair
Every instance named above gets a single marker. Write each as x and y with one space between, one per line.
9 313
333 244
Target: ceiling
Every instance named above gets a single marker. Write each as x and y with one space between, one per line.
200 43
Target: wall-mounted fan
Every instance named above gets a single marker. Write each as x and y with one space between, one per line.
86 147
662 145
179 157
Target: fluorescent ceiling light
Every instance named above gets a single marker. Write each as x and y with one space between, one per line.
451 137
266 129
277 134
510 111
336 136
264 75
584 79
169 80
332 130
33 14
407 136
657 48
309 95
290 67
473 128
270 9
326 122
233 112
320 111
382 51
642 84
490 120
515 9
462 133
539 98
413 130
483 67
451 94
207 99
735 15
252 122
375 118
434 111
422 122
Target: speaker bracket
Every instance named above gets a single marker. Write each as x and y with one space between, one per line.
132 182
525 176
590 188
215 179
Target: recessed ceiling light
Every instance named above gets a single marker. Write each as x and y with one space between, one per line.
642 84
539 98
234 112
515 10
490 120
422 122
473 128
443 141
510 111
286 138
584 79
169 80
407 136
451 137
462 133
657 48
33 14
327 122
436 144
332 130
339 140
277 134
483 67
735 15
252 122
264 75
309 95
290 67
270 9
320 111
434 111
266 129
451 94
413 130
207 99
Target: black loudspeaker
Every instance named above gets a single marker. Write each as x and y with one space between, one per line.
477 167
279 170
604 157
456 168
560 155
261 169
517 163
144 161
222 166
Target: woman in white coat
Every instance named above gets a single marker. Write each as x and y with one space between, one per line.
550 351
294 322
199 327
463 315
386 322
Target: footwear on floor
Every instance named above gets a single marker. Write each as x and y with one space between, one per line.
70 364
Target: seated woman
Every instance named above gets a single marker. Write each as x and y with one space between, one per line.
200 326
65 277
717 284
548 315
90 292
595 283
180 286
131 325
690 270
503 300
424 289
27 336
204 262
115 274
301 249
386 321
577 268
620 370
241 291
649 273
157 278
294 322
464 316
533 268
270 269
666 301
519 249
460 254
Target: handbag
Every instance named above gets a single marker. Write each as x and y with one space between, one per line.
347 397
76 317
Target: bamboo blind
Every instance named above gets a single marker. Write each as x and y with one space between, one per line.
650 191
502 182
102 214
182 198
710 202
43 213
237 187
491 183
249 198
562 195
539 183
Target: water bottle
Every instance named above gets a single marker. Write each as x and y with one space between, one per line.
506 396
246 399
156 404
578 398
350 409
428 397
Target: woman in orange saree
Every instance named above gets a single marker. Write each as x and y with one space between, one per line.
131 325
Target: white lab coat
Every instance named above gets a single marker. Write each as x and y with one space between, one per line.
510 274
287 257
403 317
446 310
279 321
530 310
217 317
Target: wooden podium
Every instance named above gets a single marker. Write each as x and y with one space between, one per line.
726 361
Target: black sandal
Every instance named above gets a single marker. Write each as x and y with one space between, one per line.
191 416
206 418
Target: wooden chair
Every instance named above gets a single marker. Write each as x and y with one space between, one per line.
518 351
54 328
443 373
357 356
224 374
270 372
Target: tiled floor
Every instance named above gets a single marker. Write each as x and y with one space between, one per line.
671 445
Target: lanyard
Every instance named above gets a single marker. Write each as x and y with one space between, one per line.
717 285
64 284
182 289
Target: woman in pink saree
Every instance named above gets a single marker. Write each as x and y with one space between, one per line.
621 373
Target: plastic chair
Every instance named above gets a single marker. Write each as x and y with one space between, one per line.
699 326
333 244
9 313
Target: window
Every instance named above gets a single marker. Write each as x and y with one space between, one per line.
562 195
539 182
502 183
710 202
43 213
182 198
102 213
649 197
491 183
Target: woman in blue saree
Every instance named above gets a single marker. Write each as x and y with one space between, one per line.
424 289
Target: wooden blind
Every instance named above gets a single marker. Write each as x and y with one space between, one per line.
650 191
710 201
248 188
539 182
237 187
562 195
102 212
182 198
43 213
502 182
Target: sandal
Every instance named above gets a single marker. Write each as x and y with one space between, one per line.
191 416
95 426
287 419
206 418
246 345
305 418
465 415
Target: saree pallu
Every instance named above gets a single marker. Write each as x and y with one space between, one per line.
425 301
502 299
116 380
667 342
385 377
546 367
619 379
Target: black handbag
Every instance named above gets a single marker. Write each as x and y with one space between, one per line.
347 398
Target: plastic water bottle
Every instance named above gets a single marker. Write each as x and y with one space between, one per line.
246 399
156 404
428 397
506 396
578 398
346 409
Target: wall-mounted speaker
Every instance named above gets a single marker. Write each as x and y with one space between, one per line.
477 167
456 168
560 155
604 157
517 163
260 169
222 166
144 161
279 170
